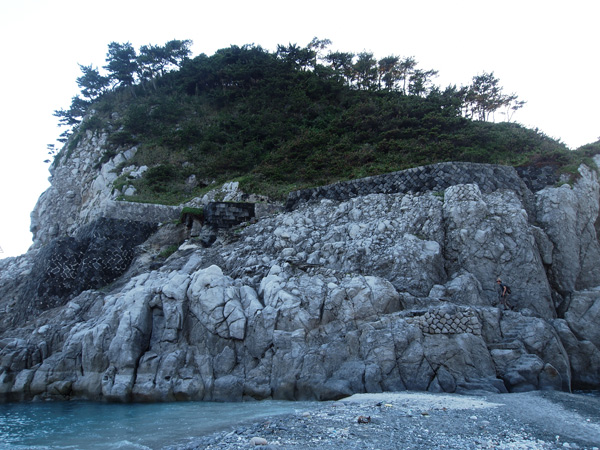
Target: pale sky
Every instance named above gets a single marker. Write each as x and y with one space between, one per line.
547 52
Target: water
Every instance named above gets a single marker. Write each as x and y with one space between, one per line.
88 425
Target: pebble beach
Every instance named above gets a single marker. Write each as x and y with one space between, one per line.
423 421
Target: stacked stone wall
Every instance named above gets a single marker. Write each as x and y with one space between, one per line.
448 319
434 177
538 178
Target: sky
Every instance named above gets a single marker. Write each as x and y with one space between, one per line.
546 52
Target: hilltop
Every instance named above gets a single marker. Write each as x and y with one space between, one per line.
290 119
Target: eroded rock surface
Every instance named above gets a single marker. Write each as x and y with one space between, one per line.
381 292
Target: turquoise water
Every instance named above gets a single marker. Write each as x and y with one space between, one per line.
88 425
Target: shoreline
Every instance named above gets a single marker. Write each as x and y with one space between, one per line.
424 421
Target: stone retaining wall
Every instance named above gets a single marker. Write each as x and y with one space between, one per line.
538 178
435 177
448 319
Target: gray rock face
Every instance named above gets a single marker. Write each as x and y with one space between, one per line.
319 335
80 185
568 216
584 357
394 236
489 236
376 293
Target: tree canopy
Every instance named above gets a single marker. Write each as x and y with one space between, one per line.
125 68
484 97
121 64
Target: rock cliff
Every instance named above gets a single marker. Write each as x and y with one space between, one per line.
361 291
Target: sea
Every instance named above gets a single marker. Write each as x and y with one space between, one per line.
89 425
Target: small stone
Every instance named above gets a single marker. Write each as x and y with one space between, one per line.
258 441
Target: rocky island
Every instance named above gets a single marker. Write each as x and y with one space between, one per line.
361 280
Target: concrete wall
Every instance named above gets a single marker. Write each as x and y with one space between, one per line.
227 214
217 214
140 212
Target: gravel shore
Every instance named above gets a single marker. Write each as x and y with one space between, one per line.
422 421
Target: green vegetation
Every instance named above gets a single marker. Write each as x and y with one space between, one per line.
291 119
168 251
193 212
